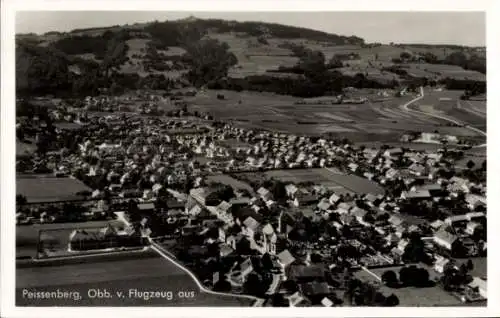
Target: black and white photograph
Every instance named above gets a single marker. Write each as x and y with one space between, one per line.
249 159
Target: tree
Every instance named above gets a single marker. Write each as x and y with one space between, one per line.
222 286
470 265
278 300
390 278
470 164
21 200
267 262
405 55
116 55
392 301
210 61
253 285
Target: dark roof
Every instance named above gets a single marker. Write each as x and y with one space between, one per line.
302 271
315 288
244 212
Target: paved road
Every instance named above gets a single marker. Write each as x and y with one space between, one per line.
405 107
160 250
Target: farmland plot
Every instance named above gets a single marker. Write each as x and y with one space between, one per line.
144 273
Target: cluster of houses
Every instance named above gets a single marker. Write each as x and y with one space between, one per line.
309 236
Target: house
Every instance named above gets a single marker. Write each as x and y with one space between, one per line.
472 227
304 273
296 300
359 214
481 285
392 174
479 217
457 220
324 204
393 152
346 219
403 244
395 220
246 267
416 195
250 226
344 208
334 199
440 264
391 239
315 290
265 194
397 255
371 199
225 250
291 189
326 302
285 258
474 201
353 166
445 239
146 207
436 224
417 169
305 199
369 175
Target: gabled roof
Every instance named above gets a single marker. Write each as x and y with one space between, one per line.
146 206
291 188
324 204
263 191
417 194
286 258
315 288
224 206
334 198
395 220
445 236
357 212
268 229
327 302
251 223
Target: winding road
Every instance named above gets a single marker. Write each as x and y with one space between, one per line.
406 108
160 250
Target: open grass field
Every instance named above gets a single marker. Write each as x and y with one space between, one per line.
339 182
382 120
144 273
39 189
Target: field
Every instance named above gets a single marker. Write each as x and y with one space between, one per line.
39 189
145 273
379 119
340 183
412 296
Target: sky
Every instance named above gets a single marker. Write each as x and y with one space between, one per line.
461 28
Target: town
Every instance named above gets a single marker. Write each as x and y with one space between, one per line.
292 220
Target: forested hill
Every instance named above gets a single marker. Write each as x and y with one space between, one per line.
225 54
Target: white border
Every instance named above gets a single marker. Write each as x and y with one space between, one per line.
7 146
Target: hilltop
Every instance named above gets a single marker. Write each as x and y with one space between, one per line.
240 55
